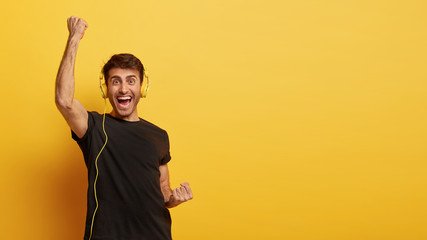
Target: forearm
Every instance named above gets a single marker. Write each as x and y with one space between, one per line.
174 197
64 87
167 193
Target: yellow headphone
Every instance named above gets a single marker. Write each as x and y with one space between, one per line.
144 87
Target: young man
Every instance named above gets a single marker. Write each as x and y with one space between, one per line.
129 192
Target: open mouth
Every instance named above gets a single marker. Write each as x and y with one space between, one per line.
124 101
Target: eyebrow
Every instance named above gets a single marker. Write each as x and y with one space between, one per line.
131 76
127 77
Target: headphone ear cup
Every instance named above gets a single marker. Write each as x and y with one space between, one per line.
144 89
102 86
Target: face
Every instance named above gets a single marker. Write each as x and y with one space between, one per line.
124 92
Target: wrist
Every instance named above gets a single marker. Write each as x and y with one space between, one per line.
172 202
73 39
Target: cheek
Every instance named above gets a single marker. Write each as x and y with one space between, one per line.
110 94
137 91
111 91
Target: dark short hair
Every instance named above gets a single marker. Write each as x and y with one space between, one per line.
123 60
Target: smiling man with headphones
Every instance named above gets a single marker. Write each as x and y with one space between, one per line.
126 156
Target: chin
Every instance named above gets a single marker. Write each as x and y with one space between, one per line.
125 114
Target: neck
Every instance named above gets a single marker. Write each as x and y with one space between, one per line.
133 117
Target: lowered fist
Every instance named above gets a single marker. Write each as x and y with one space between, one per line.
180 195
76 27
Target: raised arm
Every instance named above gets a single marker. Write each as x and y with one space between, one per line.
74 113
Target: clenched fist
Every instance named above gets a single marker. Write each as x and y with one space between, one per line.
76 27
180 195
183 193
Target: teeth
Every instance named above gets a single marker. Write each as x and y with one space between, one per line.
123 98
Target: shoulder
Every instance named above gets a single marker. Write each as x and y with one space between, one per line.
94 114
153 126
150 124
93 120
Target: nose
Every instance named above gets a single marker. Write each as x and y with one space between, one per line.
123 89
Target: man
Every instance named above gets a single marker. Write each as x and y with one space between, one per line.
129 192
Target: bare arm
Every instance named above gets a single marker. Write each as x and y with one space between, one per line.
173 197
73 112
164 182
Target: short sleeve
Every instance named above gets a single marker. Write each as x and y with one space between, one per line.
167 156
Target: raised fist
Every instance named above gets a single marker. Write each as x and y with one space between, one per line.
76 27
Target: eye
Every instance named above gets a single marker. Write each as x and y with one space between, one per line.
132 81
116 82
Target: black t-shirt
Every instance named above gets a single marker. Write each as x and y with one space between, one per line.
131 204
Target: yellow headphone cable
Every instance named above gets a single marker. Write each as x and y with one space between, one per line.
96 166
104 95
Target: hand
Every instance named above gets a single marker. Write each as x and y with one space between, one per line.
76 27
180 195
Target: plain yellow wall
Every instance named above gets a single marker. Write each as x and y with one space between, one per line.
302 120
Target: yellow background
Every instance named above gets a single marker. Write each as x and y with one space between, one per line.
300 120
